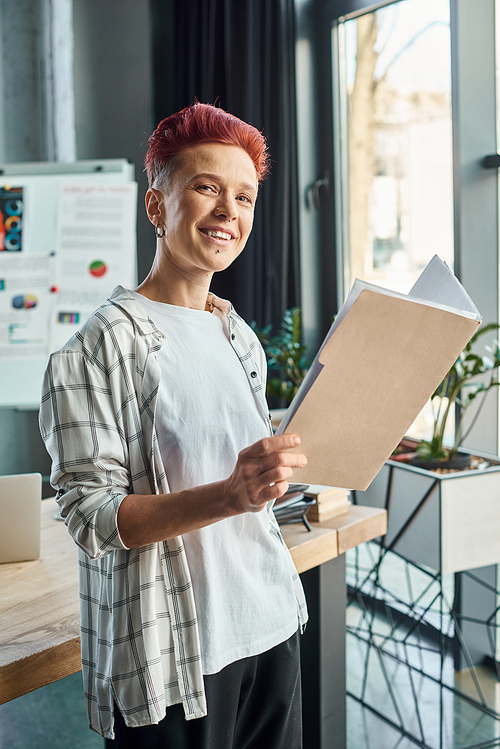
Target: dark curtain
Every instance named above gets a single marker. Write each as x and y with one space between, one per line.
240 56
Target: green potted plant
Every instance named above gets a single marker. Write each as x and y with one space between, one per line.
439 514
461 387
286 355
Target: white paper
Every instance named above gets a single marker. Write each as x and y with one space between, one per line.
95 251
25 303
95 241
437 284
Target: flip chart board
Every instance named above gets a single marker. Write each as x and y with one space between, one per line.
67 238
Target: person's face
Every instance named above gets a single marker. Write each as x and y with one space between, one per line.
208 207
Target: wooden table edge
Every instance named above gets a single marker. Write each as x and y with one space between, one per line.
308 549
39 669
334 536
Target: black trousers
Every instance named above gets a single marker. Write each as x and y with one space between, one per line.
254 703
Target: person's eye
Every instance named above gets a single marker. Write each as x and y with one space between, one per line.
206 188
244 199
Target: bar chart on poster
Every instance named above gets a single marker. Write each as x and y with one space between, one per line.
67 238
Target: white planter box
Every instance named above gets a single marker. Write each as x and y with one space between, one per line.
449 522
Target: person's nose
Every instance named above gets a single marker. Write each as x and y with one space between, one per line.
226 208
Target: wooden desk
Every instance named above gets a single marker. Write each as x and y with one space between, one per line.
39 614
333 537
320 558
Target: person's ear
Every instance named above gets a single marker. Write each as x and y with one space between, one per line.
154 203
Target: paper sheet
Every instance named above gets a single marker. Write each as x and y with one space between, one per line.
95 239
25 302
95 251
437 284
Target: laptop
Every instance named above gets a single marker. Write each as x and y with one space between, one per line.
20 513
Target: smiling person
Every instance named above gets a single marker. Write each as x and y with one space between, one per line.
165 466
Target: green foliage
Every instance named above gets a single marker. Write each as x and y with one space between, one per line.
285 354
458 388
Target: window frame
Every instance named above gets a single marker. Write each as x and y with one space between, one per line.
474 28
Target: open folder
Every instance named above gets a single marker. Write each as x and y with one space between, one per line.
382 359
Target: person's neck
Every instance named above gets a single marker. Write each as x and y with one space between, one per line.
171 286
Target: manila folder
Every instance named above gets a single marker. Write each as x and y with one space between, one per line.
381 366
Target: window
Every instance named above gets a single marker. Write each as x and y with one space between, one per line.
394 82
431 85
395 86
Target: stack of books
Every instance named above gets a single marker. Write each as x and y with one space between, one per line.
330 501
294 506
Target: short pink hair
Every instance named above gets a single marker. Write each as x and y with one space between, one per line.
201 123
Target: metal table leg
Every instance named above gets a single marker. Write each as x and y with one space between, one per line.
323 656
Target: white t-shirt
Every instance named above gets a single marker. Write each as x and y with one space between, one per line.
206 414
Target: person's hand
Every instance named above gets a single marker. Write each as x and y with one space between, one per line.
262 472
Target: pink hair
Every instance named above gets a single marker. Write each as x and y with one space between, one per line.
201 123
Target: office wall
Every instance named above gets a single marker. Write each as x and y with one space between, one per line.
21 81
22 138
114 92
113 116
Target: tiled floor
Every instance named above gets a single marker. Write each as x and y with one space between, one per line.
54 718
404 671
443 720
366 731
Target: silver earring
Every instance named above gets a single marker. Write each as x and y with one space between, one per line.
159 229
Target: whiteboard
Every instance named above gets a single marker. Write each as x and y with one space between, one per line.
67 238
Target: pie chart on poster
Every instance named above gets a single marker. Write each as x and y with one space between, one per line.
24 301
98 269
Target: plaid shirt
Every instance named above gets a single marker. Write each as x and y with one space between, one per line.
140 641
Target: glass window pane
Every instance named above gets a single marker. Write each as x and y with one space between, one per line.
397 148
398 141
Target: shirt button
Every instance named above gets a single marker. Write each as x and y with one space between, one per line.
233 336
253 374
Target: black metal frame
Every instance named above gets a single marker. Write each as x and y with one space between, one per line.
401 629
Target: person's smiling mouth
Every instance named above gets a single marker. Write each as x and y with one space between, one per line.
217 235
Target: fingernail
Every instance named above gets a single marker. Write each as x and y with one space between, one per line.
304 462
295 440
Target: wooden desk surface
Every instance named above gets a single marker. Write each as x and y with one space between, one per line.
333 537
39 613
39 607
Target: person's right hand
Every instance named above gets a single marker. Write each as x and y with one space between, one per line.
262 472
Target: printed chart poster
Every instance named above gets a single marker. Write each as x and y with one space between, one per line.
69 313
95 251
11 218
24 306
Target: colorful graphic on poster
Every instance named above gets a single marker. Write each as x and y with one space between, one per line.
11 218
68 318
24 301
98 268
